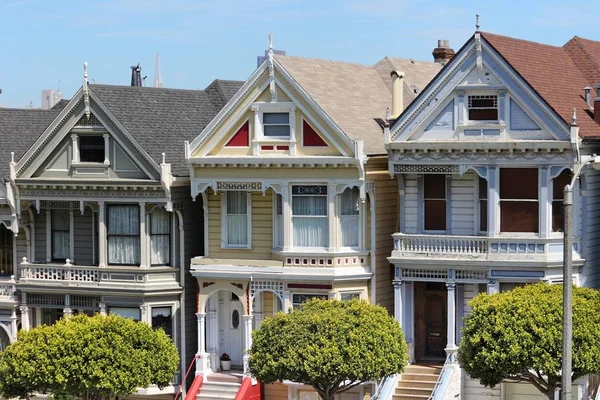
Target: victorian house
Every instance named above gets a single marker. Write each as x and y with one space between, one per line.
481 157
96 213
298 201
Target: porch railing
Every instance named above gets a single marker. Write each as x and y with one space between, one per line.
8 290
384 389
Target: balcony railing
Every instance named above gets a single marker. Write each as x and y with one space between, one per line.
476 247
92 276
327 260
8 290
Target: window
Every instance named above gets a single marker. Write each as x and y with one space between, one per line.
237 219
278 221
483 204
350 296
349 218
298 299
161 318
124 234
6 251
309 216
61 234
434 196
558 193
276 124
519 210
160 237
91 149
483 108
126 312
506 286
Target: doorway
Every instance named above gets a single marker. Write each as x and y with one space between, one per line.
231 326
430 321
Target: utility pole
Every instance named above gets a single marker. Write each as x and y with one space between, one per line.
567 343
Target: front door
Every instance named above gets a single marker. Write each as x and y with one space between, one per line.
430 320
230 326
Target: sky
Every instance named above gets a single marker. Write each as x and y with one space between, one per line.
43 43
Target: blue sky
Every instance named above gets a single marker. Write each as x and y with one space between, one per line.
43 42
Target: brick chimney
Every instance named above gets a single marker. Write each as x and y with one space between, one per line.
443 53
597 104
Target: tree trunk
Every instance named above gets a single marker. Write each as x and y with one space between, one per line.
551 391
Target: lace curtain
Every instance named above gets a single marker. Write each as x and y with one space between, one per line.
237 218
309 221
124 234
160 233
349 210
61 234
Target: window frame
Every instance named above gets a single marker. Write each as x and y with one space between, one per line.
326 216
224 214
169 235
79 150
482 205
52 230
356 216
276 137
108 234
425 199
482 96
311 295
152 307
502 200
356 295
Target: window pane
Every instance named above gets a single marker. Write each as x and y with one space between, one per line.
309 205
558 216
237 229
310 232
483 215
478 102
60 220
484 114
277 130
276 118
349 296
519 216
237 203
559 183
434 186
279 205
61 234
161 318
91 148
123 220
124 250
160 223
127 312
349 228
435 215
6 251
483 188
350 202
519 183
298 299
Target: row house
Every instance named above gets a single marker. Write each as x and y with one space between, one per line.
481 157
97 214
298 203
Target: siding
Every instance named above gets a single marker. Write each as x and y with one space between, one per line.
411 204
262 228
21 250
84 238
40 236
276 391
591 228
462 203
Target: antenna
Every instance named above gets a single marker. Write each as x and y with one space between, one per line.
158 83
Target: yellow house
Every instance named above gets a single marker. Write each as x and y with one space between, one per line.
298 201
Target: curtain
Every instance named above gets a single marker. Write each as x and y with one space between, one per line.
310 227
349 217
6 251
160 234
124 235
237 218
61 234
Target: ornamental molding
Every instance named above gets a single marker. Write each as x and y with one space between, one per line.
118 194
251 186
425 169
482 157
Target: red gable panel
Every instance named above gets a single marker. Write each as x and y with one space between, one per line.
310 137
241 138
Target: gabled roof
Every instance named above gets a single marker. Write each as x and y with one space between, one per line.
19 129
553 74
355 96
585 54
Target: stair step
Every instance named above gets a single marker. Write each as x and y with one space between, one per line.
218 390
416 384
408 397
419 377
414 390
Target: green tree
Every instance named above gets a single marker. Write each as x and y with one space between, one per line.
517 335
87 357
331 345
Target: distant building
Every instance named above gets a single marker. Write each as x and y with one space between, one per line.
50 97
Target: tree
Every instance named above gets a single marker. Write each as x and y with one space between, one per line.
87 357
331 345
517 335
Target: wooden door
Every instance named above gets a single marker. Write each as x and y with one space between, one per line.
430 320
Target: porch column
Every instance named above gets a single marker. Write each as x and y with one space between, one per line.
102 308
286 213
247 341
101 234
13 324
398 301
331 216
491 289
143 237
67 311
451 346
38 317
493 201
202 358
287 301
25 318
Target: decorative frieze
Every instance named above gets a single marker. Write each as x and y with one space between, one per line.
239 186
425 169
85 301
58 205
40 299
131 193
481 156
432 274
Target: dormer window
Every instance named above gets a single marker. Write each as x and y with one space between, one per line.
483 108
276 124
91 148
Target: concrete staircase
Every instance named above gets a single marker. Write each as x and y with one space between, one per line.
417 382
222 386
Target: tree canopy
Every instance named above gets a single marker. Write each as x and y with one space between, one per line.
517 335
83 356
331 345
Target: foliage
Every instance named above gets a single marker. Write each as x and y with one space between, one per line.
86 356
225 357
518 335
331 345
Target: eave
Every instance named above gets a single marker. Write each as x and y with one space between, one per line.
480 146
281 162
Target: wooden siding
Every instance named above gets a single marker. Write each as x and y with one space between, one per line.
411 204
40 236
462 204
83 237
591 228
262 228
276 391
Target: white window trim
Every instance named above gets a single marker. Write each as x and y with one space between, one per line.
330 197
258 136
224 244
360 293
339 224
173 306
482 121
76 159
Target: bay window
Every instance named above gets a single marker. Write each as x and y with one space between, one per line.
278 222
6 251
349 217
60 222
483 204
237 219
309 216
558 193
123 234
160 237
434 199
519 200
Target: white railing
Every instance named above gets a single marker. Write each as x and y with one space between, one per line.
384 389
476 246
8 289
322 259
448 384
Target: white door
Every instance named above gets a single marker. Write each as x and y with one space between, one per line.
235 329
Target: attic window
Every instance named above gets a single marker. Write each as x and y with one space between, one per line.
91 148
276 124
483 108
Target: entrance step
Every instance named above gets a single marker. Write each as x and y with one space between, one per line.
417 382
220 386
